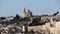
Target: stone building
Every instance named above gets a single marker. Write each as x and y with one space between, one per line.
26 14
51 26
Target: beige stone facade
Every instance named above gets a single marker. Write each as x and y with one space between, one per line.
47 29
26 14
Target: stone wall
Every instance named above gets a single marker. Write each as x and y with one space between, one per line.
35 28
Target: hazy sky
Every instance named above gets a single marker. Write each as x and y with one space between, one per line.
38 7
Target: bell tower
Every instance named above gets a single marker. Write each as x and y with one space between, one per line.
24 13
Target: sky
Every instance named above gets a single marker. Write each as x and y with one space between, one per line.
37 7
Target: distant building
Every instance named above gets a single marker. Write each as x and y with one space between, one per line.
8 18
26 14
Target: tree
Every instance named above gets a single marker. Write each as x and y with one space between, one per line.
2 18
17 18
56 13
